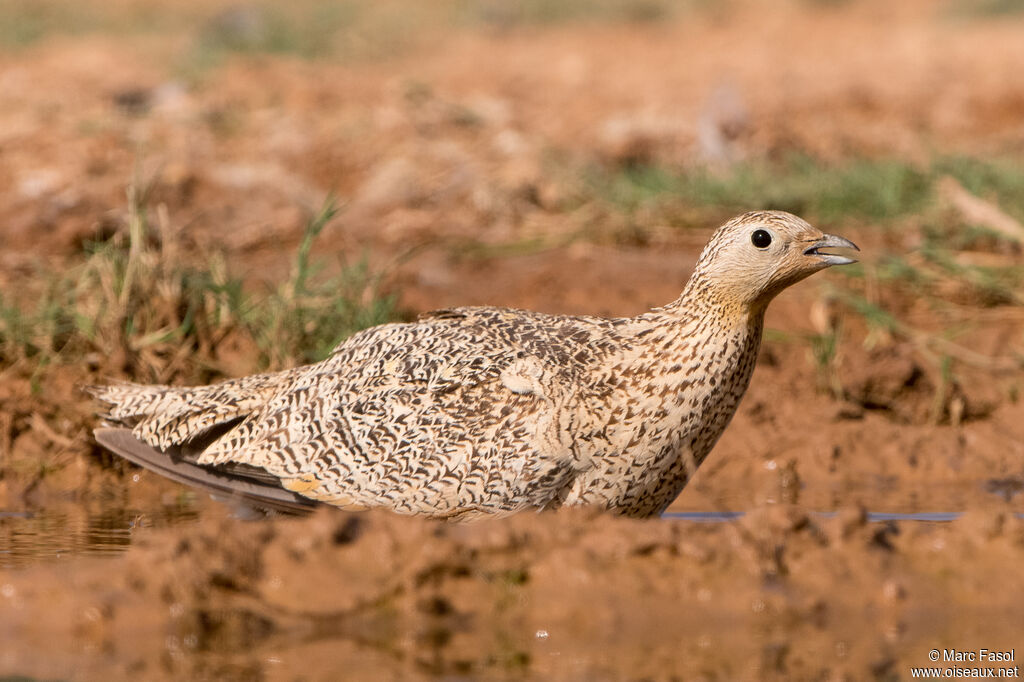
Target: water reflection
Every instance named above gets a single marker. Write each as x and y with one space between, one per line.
721 516
56 534
107 523
42 536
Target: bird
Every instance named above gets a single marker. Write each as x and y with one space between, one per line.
481 411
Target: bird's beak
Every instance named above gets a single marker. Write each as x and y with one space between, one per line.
831 241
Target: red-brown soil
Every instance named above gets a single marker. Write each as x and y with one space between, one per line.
458 161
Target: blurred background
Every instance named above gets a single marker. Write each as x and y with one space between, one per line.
194 190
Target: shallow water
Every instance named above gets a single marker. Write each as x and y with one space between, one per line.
566 596
28 538
874 517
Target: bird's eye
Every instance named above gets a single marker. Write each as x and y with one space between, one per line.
761 239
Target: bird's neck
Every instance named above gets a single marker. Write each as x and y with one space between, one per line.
701 344
705 311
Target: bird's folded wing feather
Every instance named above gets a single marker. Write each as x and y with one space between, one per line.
447 414
428 415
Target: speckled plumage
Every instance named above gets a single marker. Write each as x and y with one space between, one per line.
475 411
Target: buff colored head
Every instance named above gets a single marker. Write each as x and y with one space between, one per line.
755 256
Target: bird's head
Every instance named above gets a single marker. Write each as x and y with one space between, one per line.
755 256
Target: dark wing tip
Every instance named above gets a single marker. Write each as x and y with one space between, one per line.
236 487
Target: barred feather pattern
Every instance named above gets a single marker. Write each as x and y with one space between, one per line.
477 411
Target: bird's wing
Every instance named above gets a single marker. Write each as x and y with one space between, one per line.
239 484
459 411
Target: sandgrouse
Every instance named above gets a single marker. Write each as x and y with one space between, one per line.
476 411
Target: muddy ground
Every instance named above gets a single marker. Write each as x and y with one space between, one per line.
459 152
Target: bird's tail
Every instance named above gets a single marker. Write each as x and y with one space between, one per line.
167 416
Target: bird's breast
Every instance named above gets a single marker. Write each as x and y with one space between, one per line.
658 424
